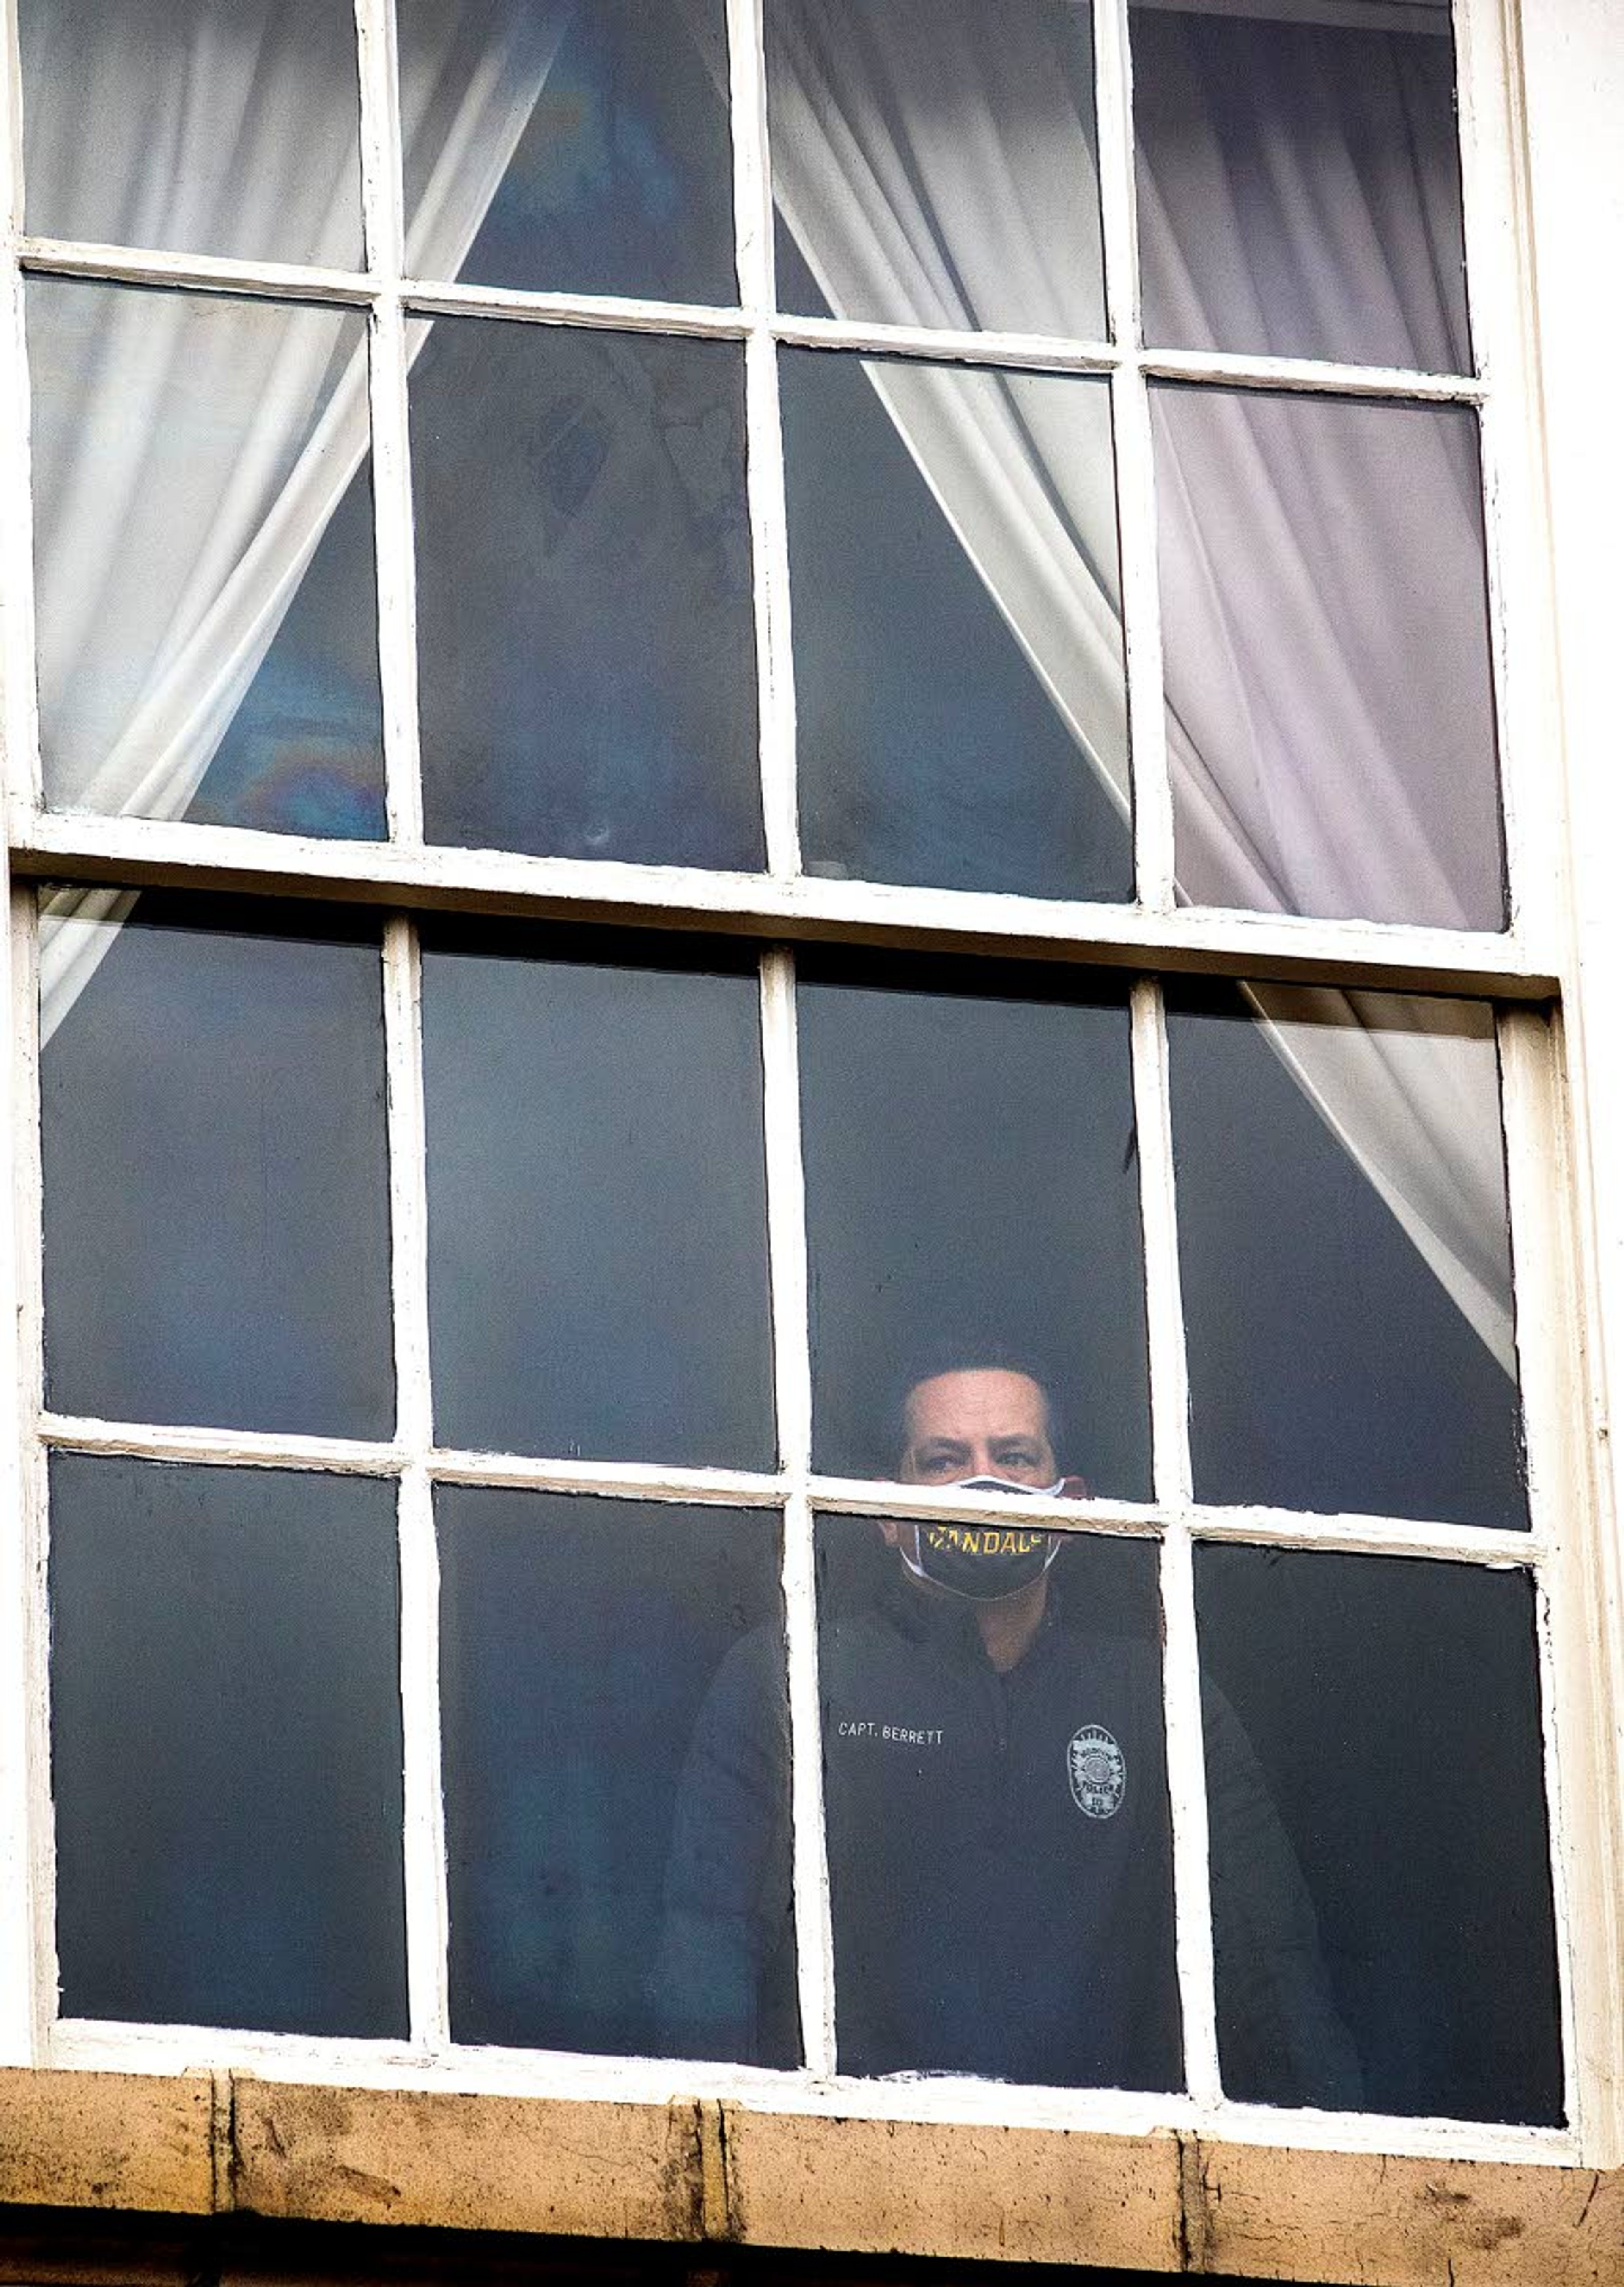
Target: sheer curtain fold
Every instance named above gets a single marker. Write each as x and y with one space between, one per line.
898 128
861 151
224 528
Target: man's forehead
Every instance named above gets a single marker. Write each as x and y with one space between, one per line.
976 1401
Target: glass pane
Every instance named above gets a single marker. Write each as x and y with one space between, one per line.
1392 1707
960 720
207 601
226 127
1299 181
581 147
618 1846
934 163
226 1747
586 630
597 1271
972 1203
217 1185
1342 1238
998 1829
1329 705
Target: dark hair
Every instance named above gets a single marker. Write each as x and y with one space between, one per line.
970 1358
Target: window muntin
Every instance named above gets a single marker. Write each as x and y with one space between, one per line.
1515 964
975 1183
651 760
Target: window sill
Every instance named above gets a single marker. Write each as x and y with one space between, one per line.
201 2144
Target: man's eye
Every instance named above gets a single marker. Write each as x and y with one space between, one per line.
939 1465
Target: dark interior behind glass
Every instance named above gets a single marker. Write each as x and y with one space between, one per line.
583 1640
1329 1368
226 1747
586 629
597 1274
972 1198
1000 1907
1393 1706
217 1186
929 750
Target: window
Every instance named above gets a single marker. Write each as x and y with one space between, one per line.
747 727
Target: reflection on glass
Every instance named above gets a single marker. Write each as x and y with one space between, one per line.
932 749
1330 712
576 145
933 163
618 1846
1299 182
583 586
226 127
971 1199
216 1189
998 1829
597 1278
226 1747
207 603
1346 1267
1393 1707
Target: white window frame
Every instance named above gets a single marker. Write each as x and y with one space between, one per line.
1569 1235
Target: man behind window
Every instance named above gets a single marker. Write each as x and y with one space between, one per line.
996 1798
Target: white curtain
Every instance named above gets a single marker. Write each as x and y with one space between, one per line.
891 154
139 677
904 132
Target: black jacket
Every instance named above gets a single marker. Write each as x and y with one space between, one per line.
999 1866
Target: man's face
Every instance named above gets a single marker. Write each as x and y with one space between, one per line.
982 1422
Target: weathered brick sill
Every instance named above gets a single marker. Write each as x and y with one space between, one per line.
203 2144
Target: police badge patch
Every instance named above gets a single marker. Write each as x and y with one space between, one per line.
1098 1772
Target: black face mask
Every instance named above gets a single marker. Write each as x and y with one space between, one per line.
984 1562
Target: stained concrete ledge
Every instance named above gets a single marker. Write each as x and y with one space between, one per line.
200 2144
499 2164
78 2139
875 2187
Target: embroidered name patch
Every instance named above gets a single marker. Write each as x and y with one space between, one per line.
1098 1772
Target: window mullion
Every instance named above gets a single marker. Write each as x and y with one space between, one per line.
426 1909
764 452
388 361
1580 1587
27 1862
1164 1309
792 1381
1135 475
1500 277
20 723
1171 1464
27 1966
